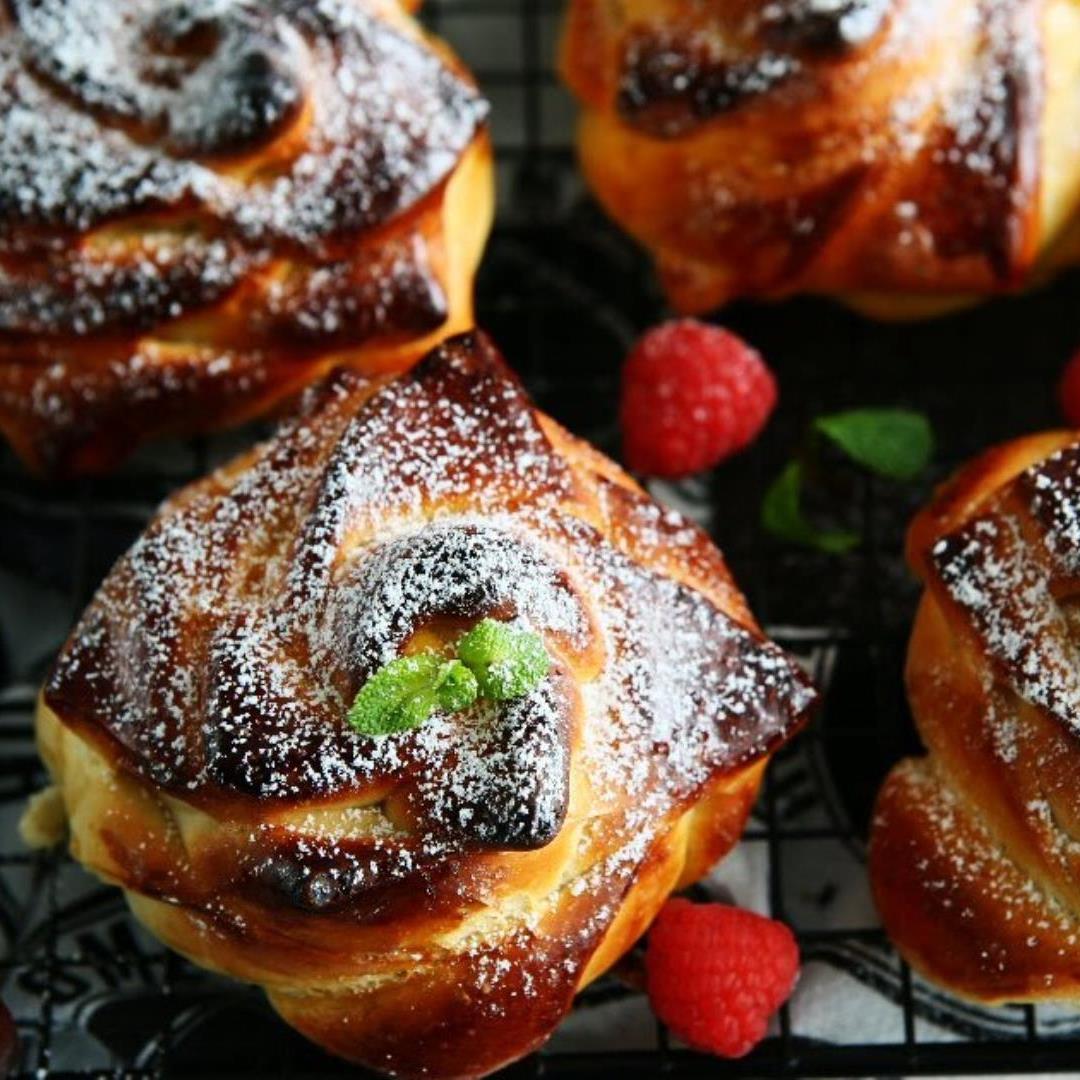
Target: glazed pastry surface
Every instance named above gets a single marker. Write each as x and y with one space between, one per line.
974 857
204 205
425 903
904 155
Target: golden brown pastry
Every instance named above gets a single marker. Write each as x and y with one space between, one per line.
974 856
425 903
904 155
204 204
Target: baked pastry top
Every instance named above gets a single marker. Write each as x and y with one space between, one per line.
974 857
426 902
206 203
905 155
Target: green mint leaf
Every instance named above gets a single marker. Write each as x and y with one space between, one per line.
506 660
895 443
400 695
494 659
782 515
456 687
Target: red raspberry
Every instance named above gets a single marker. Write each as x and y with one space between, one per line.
716 974
692 394
1069 391
9 1039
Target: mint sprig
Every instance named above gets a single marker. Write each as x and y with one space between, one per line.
506 660
782 515
405 692
893 443
456 687
494 661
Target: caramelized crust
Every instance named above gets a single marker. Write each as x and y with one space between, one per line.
974 858
203 206
426 903
904 155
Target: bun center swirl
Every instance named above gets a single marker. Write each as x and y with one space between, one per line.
280 686
205 76
116 107
452 571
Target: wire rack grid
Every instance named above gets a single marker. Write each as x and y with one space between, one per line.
564 294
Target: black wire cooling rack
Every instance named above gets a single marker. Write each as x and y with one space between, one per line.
564 294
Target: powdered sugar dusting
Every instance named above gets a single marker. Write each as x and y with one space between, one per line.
1004 570
1002 587
1052 493
969 877
971 206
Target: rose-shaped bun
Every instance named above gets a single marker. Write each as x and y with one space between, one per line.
204 204
974 859
904 155
426 902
